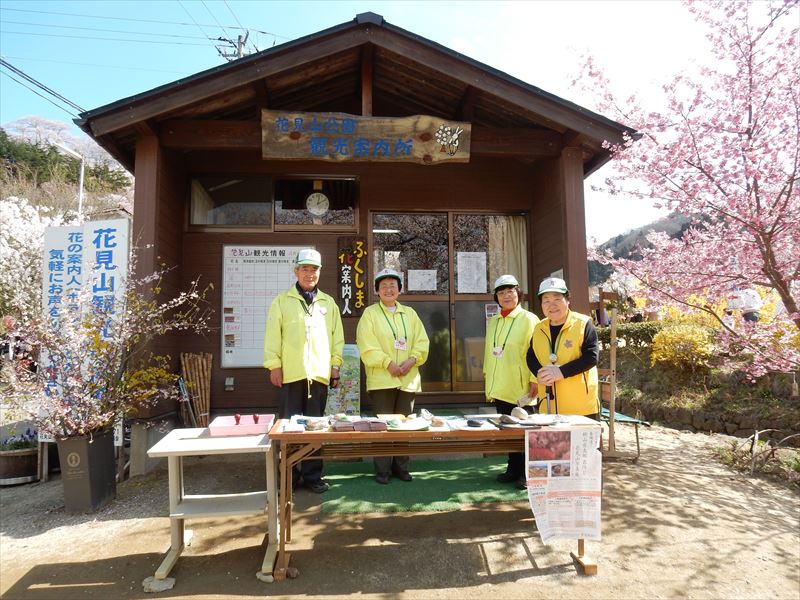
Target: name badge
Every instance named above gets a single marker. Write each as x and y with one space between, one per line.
400 344
497 351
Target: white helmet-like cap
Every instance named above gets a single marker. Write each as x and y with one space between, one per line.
553 284
384 273
505 281
309 256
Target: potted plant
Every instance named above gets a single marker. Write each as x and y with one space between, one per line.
95 368
19 456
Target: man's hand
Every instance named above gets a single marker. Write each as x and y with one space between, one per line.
276 377
394 370
334 377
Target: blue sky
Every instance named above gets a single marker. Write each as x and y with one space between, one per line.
93 53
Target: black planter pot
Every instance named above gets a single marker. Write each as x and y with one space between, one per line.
88 471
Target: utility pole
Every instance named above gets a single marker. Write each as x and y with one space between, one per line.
240 46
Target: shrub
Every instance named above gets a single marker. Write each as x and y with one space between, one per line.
682 345
634 334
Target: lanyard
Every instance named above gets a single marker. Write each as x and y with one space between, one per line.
305 307
500 328
554 351
402 318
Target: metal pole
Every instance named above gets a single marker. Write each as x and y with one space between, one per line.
80 193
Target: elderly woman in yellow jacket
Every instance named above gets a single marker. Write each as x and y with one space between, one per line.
563 355
506 375
393 344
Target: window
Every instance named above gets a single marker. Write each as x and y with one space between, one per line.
304 202
232 201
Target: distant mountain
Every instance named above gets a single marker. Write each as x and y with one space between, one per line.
627 245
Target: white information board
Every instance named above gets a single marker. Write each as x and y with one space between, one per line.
252 276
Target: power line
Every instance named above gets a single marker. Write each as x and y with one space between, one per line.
91 37
191 37
46 12
80 64
234 15
38 94
225 31
40 85
198 25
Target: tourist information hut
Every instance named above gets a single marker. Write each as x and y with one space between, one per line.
377 147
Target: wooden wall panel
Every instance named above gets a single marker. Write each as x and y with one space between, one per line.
484 184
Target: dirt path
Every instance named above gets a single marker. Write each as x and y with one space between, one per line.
675 525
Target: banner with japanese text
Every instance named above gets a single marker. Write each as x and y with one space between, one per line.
351 282
564 476
342 137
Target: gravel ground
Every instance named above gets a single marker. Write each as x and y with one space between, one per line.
676 524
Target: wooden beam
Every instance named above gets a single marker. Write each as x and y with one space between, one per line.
185 134
466 109
366 80
576 268
145 199
189 134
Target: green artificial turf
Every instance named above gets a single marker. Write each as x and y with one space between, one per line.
437 485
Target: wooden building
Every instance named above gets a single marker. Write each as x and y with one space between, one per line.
425 161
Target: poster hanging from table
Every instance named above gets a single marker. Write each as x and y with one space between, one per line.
252 276
347 397
564 469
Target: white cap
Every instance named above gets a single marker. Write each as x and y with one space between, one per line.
384 273
553 284
309 256
505 281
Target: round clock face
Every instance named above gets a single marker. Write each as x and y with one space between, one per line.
317 204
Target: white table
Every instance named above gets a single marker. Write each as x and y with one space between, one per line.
198 442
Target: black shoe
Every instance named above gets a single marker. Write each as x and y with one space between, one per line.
318 487
507 477
403 475
520 483
382 478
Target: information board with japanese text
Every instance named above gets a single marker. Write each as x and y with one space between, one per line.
252 276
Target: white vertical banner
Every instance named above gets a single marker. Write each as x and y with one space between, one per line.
105 261
62 277
95 254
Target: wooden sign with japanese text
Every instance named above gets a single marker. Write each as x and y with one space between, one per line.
342 137
352 260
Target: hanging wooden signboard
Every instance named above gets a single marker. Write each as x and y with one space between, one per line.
342 137
352 258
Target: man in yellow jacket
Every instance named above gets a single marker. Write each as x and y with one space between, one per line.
393 344
507 379
303 352
563 355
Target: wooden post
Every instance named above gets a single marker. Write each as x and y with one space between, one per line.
588 565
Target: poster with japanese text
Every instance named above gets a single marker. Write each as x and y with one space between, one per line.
346 398
252 276
564 469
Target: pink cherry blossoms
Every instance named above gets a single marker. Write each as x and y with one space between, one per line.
726 153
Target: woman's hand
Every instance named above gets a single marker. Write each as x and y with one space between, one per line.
549 374
406 365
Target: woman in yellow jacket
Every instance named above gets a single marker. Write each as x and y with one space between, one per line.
393 344
563 355
507 378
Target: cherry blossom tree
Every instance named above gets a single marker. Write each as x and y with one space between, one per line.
725 153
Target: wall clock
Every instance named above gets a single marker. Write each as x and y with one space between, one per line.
317 203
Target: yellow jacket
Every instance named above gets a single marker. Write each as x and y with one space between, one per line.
576 395
507 377
303 340
376 334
